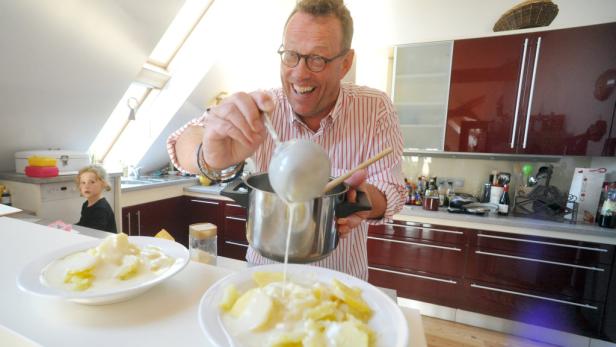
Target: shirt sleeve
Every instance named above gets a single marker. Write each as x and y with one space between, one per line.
386 174
172 139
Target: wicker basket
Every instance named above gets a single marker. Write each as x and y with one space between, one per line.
529 14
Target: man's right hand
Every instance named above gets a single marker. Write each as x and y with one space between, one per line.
234 129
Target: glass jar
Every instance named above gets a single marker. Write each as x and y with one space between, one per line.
202 242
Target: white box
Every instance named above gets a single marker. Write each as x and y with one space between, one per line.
586 186
68 162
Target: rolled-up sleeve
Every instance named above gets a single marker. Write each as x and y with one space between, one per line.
386 174
172 139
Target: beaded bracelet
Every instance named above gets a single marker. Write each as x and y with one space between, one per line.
224 175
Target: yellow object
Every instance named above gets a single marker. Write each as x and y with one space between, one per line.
263 278
164 234
229 297
204 180
41 161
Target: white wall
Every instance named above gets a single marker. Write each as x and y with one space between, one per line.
65 64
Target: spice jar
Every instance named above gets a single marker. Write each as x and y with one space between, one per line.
202 242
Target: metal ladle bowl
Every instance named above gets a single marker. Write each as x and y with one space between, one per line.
299 169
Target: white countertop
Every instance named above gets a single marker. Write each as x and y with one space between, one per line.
164 316
510 224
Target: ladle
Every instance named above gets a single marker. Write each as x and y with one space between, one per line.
363 165
299 169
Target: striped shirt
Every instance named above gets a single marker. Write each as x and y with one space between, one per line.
362 123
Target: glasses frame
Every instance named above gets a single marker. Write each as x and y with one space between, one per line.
326 60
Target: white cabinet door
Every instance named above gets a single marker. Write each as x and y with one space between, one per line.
420 93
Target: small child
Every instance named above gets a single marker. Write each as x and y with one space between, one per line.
95 211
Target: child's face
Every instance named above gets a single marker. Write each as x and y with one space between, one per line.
90 185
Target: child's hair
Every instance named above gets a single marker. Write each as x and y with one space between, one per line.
98 171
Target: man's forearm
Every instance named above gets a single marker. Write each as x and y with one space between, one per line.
378 201
185 148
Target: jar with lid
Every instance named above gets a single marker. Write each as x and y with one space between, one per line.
202 242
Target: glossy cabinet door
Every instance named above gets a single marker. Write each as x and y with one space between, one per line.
202 210
485 99
149 218
233 239
571 97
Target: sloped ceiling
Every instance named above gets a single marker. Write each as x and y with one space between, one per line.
66 64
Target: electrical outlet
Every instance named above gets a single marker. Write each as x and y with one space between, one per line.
458 182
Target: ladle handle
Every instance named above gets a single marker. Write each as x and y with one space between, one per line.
331 184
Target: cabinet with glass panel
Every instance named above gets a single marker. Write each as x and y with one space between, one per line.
420 90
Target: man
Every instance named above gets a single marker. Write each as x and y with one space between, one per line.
351 123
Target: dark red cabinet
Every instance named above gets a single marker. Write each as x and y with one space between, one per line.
149 218
420 261
539 93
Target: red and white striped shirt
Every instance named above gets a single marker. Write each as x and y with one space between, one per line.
362 123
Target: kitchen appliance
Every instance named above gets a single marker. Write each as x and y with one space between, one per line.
586 186
68 162
313 232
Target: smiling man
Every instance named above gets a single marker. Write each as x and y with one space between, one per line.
352 123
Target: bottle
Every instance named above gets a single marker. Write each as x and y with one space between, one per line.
503 202
202 242
442 194
6 197
450 192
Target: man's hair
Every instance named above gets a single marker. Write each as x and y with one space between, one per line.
323 8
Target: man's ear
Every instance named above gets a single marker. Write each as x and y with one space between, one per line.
347 62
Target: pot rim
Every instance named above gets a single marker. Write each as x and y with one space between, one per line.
327 195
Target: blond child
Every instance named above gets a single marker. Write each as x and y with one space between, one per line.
96 213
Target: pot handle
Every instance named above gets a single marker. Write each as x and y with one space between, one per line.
238 191
345 208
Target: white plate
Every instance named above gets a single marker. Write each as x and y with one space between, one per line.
388 320
30 281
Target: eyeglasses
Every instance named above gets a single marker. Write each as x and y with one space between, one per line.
315 63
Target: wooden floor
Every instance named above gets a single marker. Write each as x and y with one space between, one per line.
443 333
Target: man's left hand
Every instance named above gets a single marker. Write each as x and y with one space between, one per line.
356 182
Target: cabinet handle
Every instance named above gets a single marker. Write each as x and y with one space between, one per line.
235 205
540 261
236 218
594 249
205 202
139 223
236 244
413 275
532 91
416 244
424 228
534 296
517 100
128 216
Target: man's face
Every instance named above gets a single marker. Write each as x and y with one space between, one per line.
313 94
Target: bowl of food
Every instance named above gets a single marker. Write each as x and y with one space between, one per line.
102 272
309 306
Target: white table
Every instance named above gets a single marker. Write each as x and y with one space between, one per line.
6 210
166 315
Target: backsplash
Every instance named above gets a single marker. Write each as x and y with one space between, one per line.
475 172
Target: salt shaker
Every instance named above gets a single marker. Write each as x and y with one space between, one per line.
202 242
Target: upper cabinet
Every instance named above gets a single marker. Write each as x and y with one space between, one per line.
420 91
546 92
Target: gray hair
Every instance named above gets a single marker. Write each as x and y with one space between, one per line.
323 8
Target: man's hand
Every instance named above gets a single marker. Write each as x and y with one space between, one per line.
357 182
234 129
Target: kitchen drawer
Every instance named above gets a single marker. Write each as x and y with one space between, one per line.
581 317
532 273
204 210
583 253
417 286
235 210
233 249
420 231
440 259
235 228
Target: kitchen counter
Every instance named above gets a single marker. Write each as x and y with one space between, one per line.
166 315
156 182
511 224
18 177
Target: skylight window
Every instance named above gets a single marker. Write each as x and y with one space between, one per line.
125 137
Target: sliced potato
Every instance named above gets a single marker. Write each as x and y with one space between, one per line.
229 297
263 278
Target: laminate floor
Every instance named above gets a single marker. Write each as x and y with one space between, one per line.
443 333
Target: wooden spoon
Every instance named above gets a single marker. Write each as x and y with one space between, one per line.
363 165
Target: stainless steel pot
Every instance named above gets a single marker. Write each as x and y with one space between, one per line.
313 230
